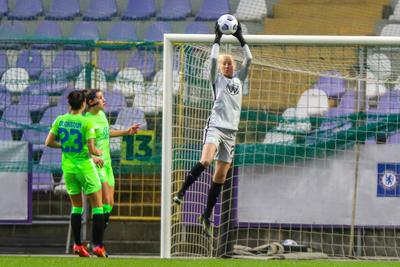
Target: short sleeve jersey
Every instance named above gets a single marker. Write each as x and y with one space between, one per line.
73 132
102 130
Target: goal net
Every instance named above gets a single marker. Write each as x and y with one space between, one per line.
316 165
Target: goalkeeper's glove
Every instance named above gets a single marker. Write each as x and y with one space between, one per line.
239 35
218 34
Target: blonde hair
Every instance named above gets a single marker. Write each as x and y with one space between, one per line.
221 58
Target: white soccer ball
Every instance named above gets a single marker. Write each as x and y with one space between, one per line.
289 242
227 24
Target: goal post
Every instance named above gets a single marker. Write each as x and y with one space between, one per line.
314 162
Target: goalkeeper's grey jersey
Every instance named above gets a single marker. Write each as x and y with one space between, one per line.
227 92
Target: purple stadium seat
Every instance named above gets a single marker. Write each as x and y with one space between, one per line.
36 136
155 32
3 7
85 30
53 81
122 31
14 30
31 61
17 117
5 97
67 61
5 133
63 100
128 116
175 10
139 10
100 10
197 27
115 101
331 85
42 180
51 114
213 9
3 62
394 138
34 98
26 10
51 157
345 107
389 103
143 61
61 9
47 30
108 62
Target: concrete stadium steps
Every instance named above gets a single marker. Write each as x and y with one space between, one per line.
121 237
325 17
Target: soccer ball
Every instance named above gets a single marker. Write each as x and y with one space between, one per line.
227 24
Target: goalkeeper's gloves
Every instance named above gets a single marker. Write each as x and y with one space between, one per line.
218 34
239 35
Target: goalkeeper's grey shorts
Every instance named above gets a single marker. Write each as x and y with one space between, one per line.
223 139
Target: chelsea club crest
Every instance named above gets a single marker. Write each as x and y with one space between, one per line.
389 179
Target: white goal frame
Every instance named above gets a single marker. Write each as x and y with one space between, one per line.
169 40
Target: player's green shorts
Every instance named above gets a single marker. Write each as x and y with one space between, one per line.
106 174
86 177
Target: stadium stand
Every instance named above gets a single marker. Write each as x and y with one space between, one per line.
380 65
26 10
143 61
3 62
213 9
115 102
42 181
15 30
197 27
53 81
129 116
50 115
393 138
63 10
85 30
139 10
389 103
175 10
32 62
5 97
34 98
67 61
98 79
331 85
246 11
346 105
3 7
5 133
390 30
107 61
47 29
129 81
17 117
100 10
155 32
122 31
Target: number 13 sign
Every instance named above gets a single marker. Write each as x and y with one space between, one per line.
137 149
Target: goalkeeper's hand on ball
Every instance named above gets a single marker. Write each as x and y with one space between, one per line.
239 35
218 34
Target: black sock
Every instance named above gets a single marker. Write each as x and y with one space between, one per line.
76 222
98 229
212 198
106 219
191 177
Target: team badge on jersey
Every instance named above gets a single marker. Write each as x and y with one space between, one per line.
233 86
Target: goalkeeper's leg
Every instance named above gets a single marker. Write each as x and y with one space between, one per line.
206 159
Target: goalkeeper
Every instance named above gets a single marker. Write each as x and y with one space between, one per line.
220 132
76 135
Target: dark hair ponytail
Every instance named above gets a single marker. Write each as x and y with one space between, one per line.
76 99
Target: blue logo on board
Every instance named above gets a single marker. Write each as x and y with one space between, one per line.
388 180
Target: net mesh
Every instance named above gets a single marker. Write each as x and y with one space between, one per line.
308 166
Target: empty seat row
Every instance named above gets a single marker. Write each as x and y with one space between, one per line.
134 10
87 30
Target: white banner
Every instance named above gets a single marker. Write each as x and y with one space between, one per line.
321 191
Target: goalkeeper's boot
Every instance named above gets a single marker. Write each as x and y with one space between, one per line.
206 223
81 251
178 199
100 252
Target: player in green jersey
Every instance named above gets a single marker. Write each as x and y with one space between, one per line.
76 136
95 113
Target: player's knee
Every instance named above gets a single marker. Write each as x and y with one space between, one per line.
205 163
219 179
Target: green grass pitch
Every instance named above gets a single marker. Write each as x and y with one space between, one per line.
39 261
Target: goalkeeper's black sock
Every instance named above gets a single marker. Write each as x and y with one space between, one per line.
98 226
76 223
191 177
212 198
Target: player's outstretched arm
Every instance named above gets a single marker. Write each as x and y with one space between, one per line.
51 141
130 131
215 53
248 57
